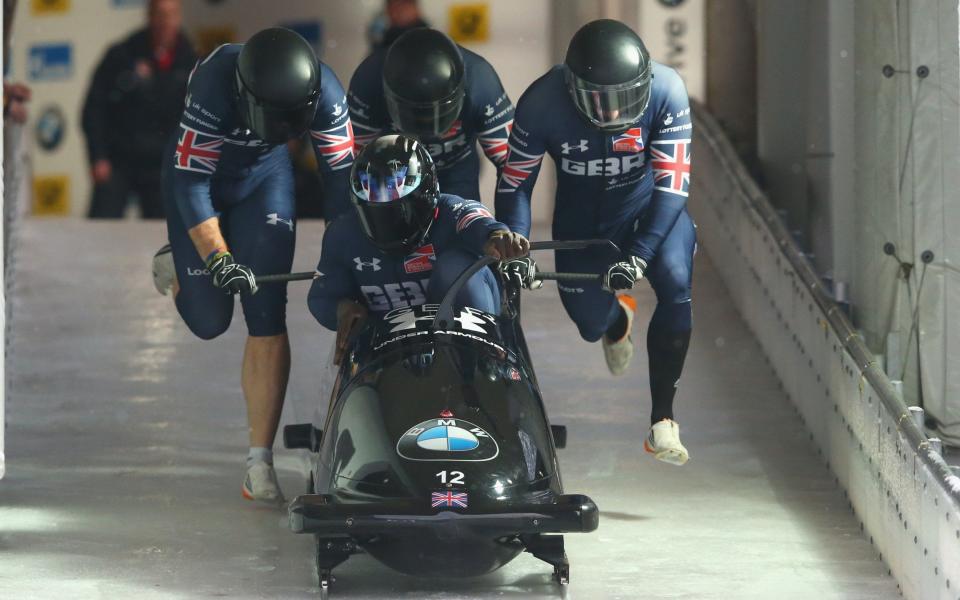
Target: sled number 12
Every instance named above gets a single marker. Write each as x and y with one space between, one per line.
455 477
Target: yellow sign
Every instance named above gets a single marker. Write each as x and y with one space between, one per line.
209 39
49 7
470 22
51 195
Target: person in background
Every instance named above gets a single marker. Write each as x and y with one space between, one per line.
132 108
398 17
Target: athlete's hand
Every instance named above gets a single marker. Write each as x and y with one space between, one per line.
505 245
522 272
230 276
623 275
350 316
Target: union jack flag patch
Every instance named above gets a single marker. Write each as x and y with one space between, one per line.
448 499
494 142
519 166
335 145
670 160
476 212
197 151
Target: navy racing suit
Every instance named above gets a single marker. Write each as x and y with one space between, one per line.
629 187
487 116
352 267
216 167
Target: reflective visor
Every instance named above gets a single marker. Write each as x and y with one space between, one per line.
378 187
428 120
611 107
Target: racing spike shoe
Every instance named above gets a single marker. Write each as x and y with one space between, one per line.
618 353
163 270
261 484
663 442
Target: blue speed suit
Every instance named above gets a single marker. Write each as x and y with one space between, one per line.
486 117
629 187
216 167
352 267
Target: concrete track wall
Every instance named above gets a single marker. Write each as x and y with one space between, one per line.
905 495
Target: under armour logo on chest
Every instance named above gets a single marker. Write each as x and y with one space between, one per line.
581 147
373 263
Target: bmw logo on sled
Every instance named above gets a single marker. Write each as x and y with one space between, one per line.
436 454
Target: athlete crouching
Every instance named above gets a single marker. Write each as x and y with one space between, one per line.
405 244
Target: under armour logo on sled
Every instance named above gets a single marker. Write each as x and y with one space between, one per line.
275 219
581 147
373 263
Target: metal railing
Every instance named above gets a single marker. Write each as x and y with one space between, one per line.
906 496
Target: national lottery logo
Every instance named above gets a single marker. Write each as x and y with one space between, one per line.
447 439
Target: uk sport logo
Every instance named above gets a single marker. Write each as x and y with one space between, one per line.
670 160
373 263
421 260
519 166
197 151
630 140
335 145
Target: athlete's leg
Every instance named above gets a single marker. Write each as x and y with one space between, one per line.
261 234
482 291
593 309
668 336
206 310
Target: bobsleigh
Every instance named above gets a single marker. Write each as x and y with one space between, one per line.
436 455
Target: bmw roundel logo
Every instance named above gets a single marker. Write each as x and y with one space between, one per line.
447 439
50 128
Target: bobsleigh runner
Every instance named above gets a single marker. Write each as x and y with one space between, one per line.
436 454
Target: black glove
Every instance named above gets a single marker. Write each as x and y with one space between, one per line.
521 272
230 276
622 275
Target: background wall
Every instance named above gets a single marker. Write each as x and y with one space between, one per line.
54 51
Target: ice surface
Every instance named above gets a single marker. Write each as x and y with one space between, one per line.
126 445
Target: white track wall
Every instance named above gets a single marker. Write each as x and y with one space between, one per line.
906 497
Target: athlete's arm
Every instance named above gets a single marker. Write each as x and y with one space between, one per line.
669 155
333 281
332 137
493 112
518 176
365 98
471 221
197 153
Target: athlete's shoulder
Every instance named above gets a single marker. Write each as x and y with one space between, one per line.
546 87
666 81
369 73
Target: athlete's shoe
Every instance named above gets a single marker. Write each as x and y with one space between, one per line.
164 273
663 442
261 484
618 353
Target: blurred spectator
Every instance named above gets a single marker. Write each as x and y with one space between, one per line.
15 98
401 16
132 108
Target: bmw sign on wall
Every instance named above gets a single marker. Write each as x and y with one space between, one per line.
50 128
447 439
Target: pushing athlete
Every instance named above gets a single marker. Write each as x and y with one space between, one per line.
448 97
228 189
617 125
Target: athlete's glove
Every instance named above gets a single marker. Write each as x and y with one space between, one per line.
622 275
521 272
230 276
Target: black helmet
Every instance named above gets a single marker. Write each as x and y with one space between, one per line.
609 74
423 82
394 187
278 84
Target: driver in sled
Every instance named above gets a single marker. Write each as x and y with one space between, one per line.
405 244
